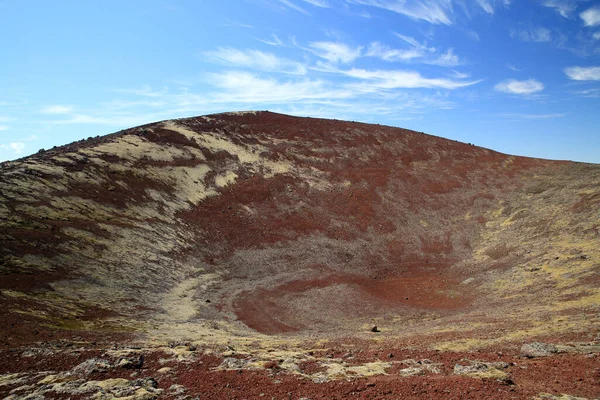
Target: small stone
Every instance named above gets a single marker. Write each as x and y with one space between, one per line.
375 329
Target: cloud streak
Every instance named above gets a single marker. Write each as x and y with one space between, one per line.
255 59
564 7
395 79
583 73
56 109
335 52
437 12
540 34
15 147
526 87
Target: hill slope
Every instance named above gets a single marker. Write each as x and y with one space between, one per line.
260 223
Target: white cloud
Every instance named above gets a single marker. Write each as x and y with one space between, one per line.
255 59
591 16
275 41
563 7
318 3
534 116
447 59
293 6
3 128
433 11
487 7
335 52
460 75
514 86
387 53
533 35
513 68
56 109
414 43
144 91
15 147
396 79
596 35
594 93
583 73
245 87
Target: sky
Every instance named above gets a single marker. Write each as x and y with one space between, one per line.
517 76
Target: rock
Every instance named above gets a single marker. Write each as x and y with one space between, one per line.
131 362
146 383
484 370
374 329
537 349
411 371
234 363
177 389
91 366
548 396
423 365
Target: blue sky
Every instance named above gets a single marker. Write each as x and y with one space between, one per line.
517 76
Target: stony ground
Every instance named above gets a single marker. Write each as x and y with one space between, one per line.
250 255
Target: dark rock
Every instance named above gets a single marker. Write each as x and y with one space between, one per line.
375 329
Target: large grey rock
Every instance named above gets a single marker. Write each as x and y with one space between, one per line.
537 349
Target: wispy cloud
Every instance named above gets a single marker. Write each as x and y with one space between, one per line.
486 6
318 3
460 75
293 6
596 35
386 53
591 16
540 34
534 116
526 87
144 91
396 79
583 73
513 68
15 147
416 44
243 87
238 24
433 11
429 55
274 41
447 59
3 128
563 7
56 109
255 59
335 52
593 93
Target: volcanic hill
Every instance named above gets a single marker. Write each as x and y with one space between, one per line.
258 233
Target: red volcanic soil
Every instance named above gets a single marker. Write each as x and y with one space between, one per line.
249 255
261 311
